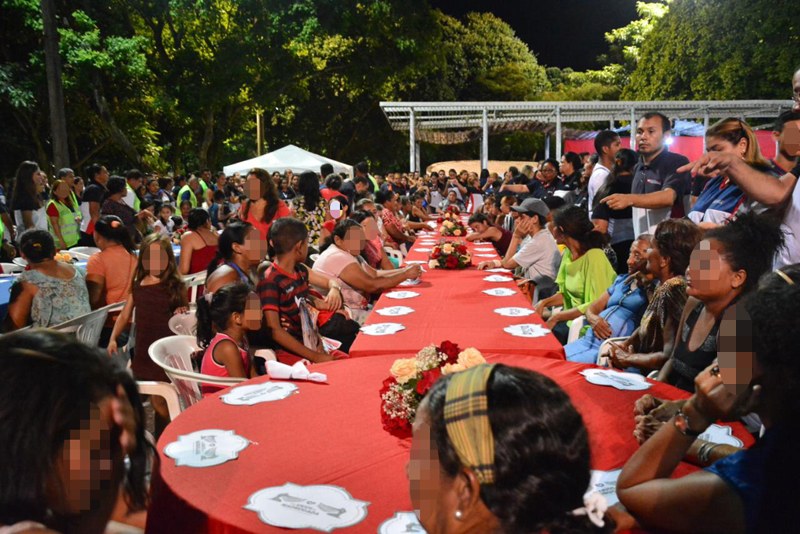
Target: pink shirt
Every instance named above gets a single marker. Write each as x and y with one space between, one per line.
332 262
212 368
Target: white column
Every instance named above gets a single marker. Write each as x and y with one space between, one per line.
485 141
611 124
412 127
633 129
558 134
546 146
705 128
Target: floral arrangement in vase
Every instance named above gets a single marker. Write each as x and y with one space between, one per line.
450 256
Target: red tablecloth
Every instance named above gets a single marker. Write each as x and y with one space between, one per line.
331 434
452 306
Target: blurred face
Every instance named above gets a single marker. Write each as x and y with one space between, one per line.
789 140
156 260
709 275
715 144
637 259
427 483
370 228
62 191
735 351
548 173
253 248
649 136
566 167
353 241
252 313
337 210
796 91
253 187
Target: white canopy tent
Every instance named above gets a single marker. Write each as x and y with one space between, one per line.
289 157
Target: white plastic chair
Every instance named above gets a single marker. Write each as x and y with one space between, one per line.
162 389
184 324
575 328
9 268
392 253
84 251
22 262
313 257
87 327
193 283
174 355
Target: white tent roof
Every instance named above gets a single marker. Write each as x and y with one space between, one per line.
289 157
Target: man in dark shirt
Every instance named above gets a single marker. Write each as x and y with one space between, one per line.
658 190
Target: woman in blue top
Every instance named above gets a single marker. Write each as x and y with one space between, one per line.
618 311
721 198
757 371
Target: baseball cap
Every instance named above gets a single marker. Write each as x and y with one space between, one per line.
532 206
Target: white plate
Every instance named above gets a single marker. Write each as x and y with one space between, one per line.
527 330
498 278
498 270
382 329
394 311
416 262
616 379
423 250
514 312
254 394
206 448
402 295
721 434
485 255
410 282
500 292
484 250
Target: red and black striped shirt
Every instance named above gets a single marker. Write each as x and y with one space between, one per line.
278 291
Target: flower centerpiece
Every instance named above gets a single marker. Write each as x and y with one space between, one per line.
451 213
413 377
450 256
453 228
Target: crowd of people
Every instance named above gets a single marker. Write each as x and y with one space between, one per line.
685 272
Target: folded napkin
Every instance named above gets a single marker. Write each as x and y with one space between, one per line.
298 371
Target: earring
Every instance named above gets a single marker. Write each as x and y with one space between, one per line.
458 514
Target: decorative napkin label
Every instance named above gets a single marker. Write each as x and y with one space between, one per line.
324 508
500 292
401 523
484 249
498 278
402 295
254 394
423 249
410 282
514 312
604 483
616 379
382 329
498 270
721 434
485 255
206 448
395 311
416 262
527 330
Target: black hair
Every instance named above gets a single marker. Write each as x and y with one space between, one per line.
112 228
384 195
197 218
361 180
551 161
405 199
219 195
666 126
594 158
360 216
133 174
362 167
749 243
333 182
213 317
63 172
676 239
116 185
340 231
59 379
624 162
37 245
308 188
220 174
184 202
604 139
553 203
234 233
542 457
783 118
478 218
91 171
24 187
179 180
144 204
573 221
574 160
326 169
284 234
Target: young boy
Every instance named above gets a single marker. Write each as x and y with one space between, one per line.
220 211
284 281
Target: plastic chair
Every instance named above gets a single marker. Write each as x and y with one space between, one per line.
174 355
84 251
392 253
162 389
575 328
184 324
87 327
10 268
22 262
193 283
313 257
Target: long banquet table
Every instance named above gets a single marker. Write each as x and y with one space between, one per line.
452 306
331 434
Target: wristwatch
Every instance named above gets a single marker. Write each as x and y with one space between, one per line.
681 421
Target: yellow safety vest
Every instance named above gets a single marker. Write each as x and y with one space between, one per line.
192 197
68 222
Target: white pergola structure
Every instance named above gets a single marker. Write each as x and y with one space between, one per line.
415 116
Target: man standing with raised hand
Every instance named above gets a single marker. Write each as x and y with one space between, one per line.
606 144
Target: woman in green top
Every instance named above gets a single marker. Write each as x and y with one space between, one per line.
585 271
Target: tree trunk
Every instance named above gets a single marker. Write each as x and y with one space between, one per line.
55 89
117 135
208 137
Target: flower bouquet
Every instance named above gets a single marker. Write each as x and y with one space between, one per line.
450 256
453 228
451 213
413 377
178 233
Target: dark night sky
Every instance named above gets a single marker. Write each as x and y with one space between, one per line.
562 33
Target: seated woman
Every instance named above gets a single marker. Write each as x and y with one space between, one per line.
66 464
199 245
650 345
50 292
618 311
239 253
418 212
407 209
751 490
338 210
485 231
618 224
451 200
489 468
585 271
721 199
342 261
373 246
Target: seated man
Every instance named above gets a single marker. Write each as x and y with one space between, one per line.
486 231
284 283
538 254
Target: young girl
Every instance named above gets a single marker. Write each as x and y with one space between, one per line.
232 311
164 224
157 293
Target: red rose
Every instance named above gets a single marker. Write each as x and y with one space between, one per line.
436 253
452 262
451 350
461 249
428 379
